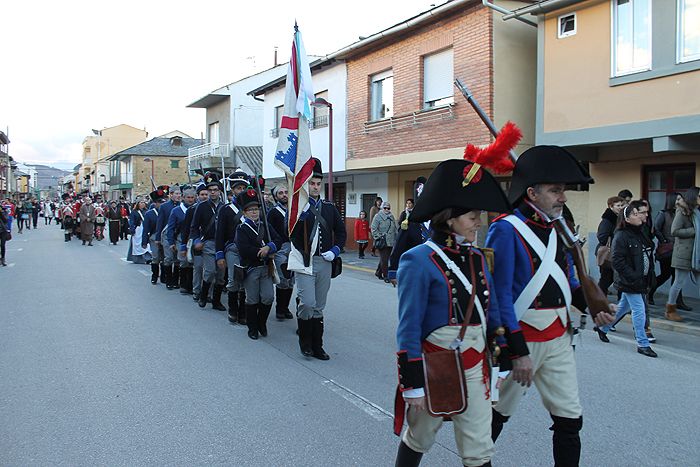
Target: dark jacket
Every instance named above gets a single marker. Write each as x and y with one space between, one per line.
230 217
250 237
629 247
606 228
278 221
332 231
202 227
150 221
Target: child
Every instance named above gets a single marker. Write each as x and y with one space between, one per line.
362 233
257 249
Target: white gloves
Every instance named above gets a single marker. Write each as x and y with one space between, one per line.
328 256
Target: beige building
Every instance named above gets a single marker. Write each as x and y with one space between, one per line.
617 84
99 147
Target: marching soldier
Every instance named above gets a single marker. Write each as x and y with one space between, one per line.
150 223
277 218
536 287
173 238
227 257
67 217
170 269
197 263
445 299
256 246
202 233
317 239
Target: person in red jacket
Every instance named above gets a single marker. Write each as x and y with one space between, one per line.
362 233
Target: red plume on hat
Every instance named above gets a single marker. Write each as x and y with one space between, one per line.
495 156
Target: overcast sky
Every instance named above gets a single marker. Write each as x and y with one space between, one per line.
70 66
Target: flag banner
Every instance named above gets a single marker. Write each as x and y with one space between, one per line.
293 154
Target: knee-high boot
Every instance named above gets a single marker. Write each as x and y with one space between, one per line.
154 273
232 307
305 336
566 443
66 237
176 276
204 294
216 298
251 312
164 274
263 313
242 316
497 421
279 303
317 339
285 298
184 279
407 457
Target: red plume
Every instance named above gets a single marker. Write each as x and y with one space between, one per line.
496 155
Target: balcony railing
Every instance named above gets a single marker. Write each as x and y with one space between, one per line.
207 155
414 119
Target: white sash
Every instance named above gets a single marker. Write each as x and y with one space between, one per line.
465 282
233 208
547 268
281 210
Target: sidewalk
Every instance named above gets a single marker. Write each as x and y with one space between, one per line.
689 325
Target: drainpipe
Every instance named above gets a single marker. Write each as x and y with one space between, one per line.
507 13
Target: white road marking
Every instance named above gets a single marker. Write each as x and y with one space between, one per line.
19 249
145 273
370 408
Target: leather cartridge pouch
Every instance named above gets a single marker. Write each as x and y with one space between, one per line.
445 384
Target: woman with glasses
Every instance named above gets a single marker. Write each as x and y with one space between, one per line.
384 235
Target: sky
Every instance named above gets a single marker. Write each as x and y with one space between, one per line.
71 66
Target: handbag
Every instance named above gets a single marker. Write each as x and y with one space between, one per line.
664 250
336 267
445 383
380 242
603 255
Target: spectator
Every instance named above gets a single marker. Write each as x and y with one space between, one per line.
362 233
5 232
626 195
632 258
407 210
373 212
36 207
605 232
686 249
384 235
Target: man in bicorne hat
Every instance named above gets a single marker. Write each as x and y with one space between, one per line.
203 233
277 218
536 287
150 223
317 239
170 269
227 257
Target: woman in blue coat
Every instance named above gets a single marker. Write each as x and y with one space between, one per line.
434 302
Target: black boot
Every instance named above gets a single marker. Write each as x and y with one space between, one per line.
305 337
251 312
171 278
184 281
497 422
176 276
204 294
232 307
154 274
66 237
216 298
242 318
317 339
163 274
566 443
407 457
286 298
680 304
263 313
279 303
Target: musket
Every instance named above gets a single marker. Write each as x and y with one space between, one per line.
271 268
596 300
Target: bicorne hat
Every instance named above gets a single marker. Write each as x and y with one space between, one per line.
418 186
213 179
237 178
158 196
165 189
318 169
545 164
248 198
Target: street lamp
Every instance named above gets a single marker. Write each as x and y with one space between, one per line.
151 160
102 182
321 102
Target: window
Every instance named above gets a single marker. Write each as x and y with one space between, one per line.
688 30
279 112
663 180
437 79
381 95
631 36
214 132
567 25
174 164
321 111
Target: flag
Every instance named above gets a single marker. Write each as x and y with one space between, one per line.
293 154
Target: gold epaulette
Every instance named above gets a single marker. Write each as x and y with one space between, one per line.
488 256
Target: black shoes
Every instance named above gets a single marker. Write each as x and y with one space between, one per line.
216 298
601 335
650 336
251 312
305 337
646 351
203 295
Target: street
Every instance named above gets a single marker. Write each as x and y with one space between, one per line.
99 367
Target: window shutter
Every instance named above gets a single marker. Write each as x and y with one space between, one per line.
438 76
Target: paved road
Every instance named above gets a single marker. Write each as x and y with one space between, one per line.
99 367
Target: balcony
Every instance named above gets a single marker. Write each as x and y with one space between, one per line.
208 155
435 115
